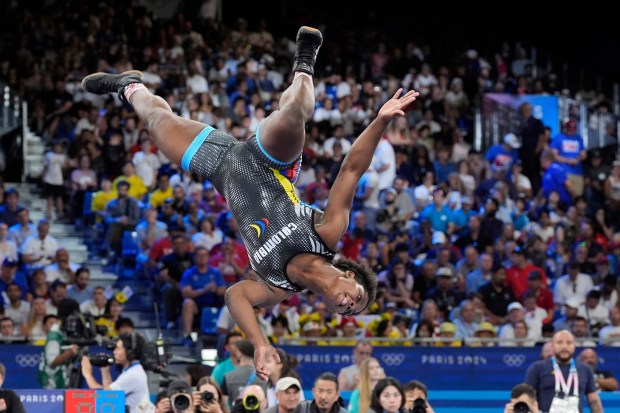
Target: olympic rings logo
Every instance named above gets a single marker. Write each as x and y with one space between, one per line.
514 360
393 359
27 360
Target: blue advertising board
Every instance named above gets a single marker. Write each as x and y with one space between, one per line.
440 368
42 401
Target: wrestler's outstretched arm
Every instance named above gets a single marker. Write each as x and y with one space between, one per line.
241 299
357 161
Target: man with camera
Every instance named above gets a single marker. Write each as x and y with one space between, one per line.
522 400
55 365
132 380
416 397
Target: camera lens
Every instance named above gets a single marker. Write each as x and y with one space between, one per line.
207 396
250 402
521 407
181 401
419 406
101 360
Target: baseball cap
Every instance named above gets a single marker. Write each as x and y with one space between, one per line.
511 140
9 262
573 302
485 326
514 306
444 272
348 320
534 275
179 386
286 383
245 347
447 327
439 237
602 260
466 199
311 325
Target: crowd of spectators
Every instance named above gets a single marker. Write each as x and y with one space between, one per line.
514 242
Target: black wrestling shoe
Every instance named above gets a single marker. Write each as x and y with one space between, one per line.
309 40
102 83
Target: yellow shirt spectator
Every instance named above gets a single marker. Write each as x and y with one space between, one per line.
136 186
158 197
101 199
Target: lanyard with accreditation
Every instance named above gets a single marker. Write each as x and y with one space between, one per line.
566 403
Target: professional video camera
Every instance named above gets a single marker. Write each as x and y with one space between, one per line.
81 329
419 406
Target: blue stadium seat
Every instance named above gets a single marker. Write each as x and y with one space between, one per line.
130 248
208 320
87 213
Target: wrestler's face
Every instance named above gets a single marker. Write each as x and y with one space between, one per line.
346 295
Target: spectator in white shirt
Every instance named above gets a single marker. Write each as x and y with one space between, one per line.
8 249
571 285
384 163
17 309
147 163
593 311
328 145
62 269
610 335
96 305
23 229
39 249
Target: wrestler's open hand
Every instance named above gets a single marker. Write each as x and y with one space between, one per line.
395 106
265 359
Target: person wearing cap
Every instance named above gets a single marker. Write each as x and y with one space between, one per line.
10 208
445 293
9 275
485 330
516 314
243 375
569 151
517 275
348 330
564 322
555 179
502 155
602 269
288 395
573 284
447 335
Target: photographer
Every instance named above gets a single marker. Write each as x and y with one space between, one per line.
132 380
522 400
416 397
208 397
55 365
179 398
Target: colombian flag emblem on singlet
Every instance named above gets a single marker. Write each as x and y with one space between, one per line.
293 172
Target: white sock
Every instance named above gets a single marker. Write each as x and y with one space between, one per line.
133 88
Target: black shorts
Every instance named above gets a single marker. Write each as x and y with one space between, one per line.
53 190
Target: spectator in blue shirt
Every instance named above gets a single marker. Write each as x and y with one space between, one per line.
437 214
201 286
568 150
501 156
555 179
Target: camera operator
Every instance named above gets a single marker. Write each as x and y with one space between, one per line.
55 365
180 398
208 397
416 397
132 380
522 400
